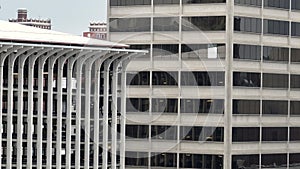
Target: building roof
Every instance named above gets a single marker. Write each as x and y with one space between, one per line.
17 32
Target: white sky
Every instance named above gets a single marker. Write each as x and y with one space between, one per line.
70 16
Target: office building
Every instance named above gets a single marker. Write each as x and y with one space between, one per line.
97 30
58 95
23 19
220 86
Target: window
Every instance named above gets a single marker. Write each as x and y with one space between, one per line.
166 24
295 55
165 78
129 2
295 107
136 158
169 51
246 24
246 79
245 134
295 81
294 134
245 161
164 105
215 106
271 160
203 51
164 132
275 54
200 161
202 78
197 133
274 134
202 1
295 5
275 107
163 160
130 24
276 27
246 107
156 2
210 23
285 4
275 80
137 131
295 29
138 78
251 52
248 2
294 160
137 105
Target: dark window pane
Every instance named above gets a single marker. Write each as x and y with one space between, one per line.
164 105
295 29
156 2
201 161
246 24
136 158
164 132
294 160
129 25
275 107
246 107
137 131
248 2
215 106
202 1
245 134
275 54
202 78
137 105
276 27
210 23
295 134
295 81
274 134
275 80
165 78
166 24
251 52
295 55
197 133
285 4
163 160
246 79
138 78
169 51
295 107
296 4
245 161
129 2
271 160
203 51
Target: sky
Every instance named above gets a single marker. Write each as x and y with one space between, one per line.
70 16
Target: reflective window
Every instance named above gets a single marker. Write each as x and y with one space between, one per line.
210 23
129 2
275 80
274 134
245 161
200 161
138 78
197 133
276 27
295 107
295 55
246 24
203 51
136 158
275 54
246 107
163 159
164 132
129 25
165 78
295 81
294 134
166 51
164 105
275 107
245 134
246 79
156 2
137 131
285 4
215 106
248 2
142 47
294 160
296 4
271 160
202 78
137 105
202 1
251 52
295 29
166 24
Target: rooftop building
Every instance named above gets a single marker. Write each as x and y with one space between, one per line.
97 30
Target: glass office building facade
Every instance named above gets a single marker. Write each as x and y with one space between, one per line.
220 86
